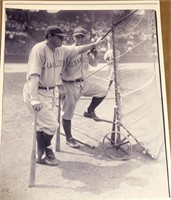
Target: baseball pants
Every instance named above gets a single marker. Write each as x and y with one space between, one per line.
47 116
90 87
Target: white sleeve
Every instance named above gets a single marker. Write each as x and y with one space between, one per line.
70 52
33 86
35 62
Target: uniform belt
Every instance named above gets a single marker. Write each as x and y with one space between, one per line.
46 88
74 81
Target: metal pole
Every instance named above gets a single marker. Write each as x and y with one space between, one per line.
116 126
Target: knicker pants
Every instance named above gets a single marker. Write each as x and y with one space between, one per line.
47 117
91 87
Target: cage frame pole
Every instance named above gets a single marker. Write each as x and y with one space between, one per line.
116 126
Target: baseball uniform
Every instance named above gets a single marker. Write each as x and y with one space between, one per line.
75 84
48 65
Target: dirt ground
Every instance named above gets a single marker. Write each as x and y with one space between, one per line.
82 173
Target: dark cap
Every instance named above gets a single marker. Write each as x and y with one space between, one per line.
80 31
55 30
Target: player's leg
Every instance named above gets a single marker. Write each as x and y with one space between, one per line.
44 149
72 93
94 103
46 127
98 90
47 123
39 134
69 138
40 145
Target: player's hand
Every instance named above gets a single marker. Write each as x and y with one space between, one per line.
99 41
37 106
61 91
94 52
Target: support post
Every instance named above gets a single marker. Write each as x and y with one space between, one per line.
116 126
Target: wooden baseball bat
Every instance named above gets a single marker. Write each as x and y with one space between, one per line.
115 24
33 156
59 126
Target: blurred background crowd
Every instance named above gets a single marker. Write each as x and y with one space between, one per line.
24 28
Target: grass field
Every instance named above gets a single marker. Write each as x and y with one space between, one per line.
82 174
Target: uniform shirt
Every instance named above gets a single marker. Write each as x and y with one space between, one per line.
108 55
48 64
77 68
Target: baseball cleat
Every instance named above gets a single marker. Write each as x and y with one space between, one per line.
50 162
92 116
47 161
49 153
72 143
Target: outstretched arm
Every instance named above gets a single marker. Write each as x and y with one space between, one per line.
84 48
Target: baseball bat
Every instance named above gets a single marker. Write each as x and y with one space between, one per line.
115 24
33 156
59 126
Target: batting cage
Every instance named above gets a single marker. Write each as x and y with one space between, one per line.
132 48
130 61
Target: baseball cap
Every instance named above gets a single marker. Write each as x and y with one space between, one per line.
56 30
80 31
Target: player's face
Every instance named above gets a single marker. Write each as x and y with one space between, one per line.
56 40
59 41
80 40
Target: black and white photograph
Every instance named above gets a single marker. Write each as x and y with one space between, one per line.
84 112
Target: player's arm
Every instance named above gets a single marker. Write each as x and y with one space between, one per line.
72 51
84 48
35 68
33 82
94 58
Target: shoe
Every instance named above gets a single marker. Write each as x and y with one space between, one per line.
72 143
92 116
47 161
49 153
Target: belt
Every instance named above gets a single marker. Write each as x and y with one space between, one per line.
74 81
46 88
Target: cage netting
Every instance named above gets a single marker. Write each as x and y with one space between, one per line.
137 78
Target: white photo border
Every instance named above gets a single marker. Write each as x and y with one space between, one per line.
102 5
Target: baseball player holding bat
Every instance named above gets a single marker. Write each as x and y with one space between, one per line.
45 63
75 85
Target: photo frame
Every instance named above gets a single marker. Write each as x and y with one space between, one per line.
135 107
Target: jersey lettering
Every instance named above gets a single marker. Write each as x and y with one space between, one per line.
76 61
79 60
50 65
59 63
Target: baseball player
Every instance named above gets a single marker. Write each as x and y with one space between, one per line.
45 63
108 57
75 85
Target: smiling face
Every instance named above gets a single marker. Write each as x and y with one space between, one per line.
80 40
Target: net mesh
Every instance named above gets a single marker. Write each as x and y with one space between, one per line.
138 84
